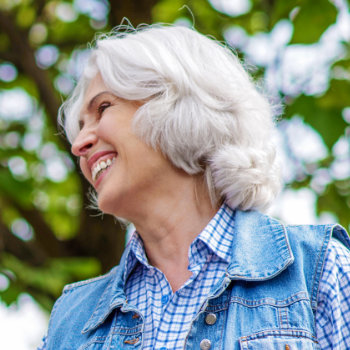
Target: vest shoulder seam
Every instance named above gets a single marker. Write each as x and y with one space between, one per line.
75 285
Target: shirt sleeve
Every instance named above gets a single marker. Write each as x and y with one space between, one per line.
333 304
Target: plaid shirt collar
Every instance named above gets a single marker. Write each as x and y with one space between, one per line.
217 238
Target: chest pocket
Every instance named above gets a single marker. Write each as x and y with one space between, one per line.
97 343
118 338
279 340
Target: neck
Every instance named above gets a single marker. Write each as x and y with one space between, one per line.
169 223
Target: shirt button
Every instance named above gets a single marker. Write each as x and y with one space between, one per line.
205 344
210 319
164 299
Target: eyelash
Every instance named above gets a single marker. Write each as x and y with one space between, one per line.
102 107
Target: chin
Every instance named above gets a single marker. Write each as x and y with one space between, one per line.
105 207
109 205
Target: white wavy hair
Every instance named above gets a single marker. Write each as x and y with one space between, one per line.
201 110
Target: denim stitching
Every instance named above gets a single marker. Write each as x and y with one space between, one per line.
319 266
75 285
95 340
283 317
295 333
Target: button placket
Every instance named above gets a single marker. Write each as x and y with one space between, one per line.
164 299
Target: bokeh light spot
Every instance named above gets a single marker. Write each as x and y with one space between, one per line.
46 56
22 229
8 72
66 12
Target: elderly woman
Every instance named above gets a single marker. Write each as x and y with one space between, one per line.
174 137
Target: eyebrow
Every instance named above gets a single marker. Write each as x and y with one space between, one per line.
90 105
93 100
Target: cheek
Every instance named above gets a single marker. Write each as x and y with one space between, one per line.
84 168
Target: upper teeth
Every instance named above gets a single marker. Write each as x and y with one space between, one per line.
103 164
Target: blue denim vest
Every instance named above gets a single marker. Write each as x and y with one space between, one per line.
266 300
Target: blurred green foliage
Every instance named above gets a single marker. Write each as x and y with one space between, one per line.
47 238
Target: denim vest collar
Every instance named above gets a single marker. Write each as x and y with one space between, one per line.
260 251
112 298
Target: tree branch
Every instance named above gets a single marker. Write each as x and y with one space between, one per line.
27 251
10 57
139 11
26 59
40 5
44 235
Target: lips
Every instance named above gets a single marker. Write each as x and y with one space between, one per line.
99 162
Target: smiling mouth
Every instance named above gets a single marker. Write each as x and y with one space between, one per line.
100 167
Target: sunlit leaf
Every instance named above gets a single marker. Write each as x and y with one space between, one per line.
167 11
11 294
25 16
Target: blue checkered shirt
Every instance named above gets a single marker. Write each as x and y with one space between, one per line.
168 315
333 304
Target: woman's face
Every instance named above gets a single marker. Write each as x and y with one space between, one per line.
122 168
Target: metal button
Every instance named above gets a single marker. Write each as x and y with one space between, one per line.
205 344
210 319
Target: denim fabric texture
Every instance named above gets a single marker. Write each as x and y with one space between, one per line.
267 298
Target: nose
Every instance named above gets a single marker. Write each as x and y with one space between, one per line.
85 140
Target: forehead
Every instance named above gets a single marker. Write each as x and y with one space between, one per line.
95 87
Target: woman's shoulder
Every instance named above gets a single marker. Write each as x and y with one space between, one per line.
78 301
103 279
324 233
256 221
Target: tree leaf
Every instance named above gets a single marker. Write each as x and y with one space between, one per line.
17 190
337 96
312 20
322 113
334 199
